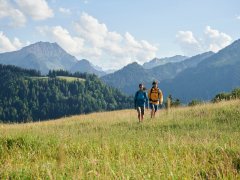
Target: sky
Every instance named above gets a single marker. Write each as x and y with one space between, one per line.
114 33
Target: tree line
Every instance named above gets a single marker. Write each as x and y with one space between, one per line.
224 96
24 98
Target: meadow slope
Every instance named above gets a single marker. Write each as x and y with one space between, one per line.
193 142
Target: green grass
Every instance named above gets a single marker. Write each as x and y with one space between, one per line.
200 142
70 79
38 78
67 78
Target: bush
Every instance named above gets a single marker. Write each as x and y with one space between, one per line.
194 102
235 94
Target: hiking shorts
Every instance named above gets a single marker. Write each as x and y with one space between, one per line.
153 106
140 109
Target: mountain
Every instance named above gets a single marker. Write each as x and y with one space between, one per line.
85 66
171 70
110 71
45 56
128 78
157 62
217 73
41 56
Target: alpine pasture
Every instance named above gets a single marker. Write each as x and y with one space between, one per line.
200 142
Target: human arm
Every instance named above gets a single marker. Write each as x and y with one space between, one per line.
146 100
160 96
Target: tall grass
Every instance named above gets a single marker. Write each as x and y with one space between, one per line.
200 142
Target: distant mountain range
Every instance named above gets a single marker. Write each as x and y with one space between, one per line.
199 77
157 62
45 56
186 78
217 73
171 70
128 78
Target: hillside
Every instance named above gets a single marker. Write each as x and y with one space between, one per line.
128 78
27 96
85 66
172 70
217 73
200 142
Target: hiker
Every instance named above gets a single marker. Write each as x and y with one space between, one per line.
140 102
155 98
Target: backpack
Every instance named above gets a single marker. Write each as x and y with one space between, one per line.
154 95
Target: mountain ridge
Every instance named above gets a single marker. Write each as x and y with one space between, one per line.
161 61
134 73
217 73
45 56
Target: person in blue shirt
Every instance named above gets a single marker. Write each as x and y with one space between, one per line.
140 102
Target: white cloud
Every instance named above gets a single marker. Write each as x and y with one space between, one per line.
117 50
89 28
213 40
216 40
7 45
65 11
17 43
102 47
37 9
238 17
188 43
72 45
131 42
8 10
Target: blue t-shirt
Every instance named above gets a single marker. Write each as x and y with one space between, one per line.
141 99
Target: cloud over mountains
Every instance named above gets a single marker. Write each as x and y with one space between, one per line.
93 40
212 40
9 45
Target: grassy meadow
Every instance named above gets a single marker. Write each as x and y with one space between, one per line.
67 78
201 142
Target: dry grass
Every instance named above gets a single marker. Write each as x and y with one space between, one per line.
199 142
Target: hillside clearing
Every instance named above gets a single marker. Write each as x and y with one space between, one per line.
70 79
67 78
198 142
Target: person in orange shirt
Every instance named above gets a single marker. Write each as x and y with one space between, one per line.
155 96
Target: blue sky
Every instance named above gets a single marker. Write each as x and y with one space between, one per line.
113 33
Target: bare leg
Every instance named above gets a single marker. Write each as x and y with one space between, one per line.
142 113
153 112
139 114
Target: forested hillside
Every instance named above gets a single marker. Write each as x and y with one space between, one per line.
27 96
